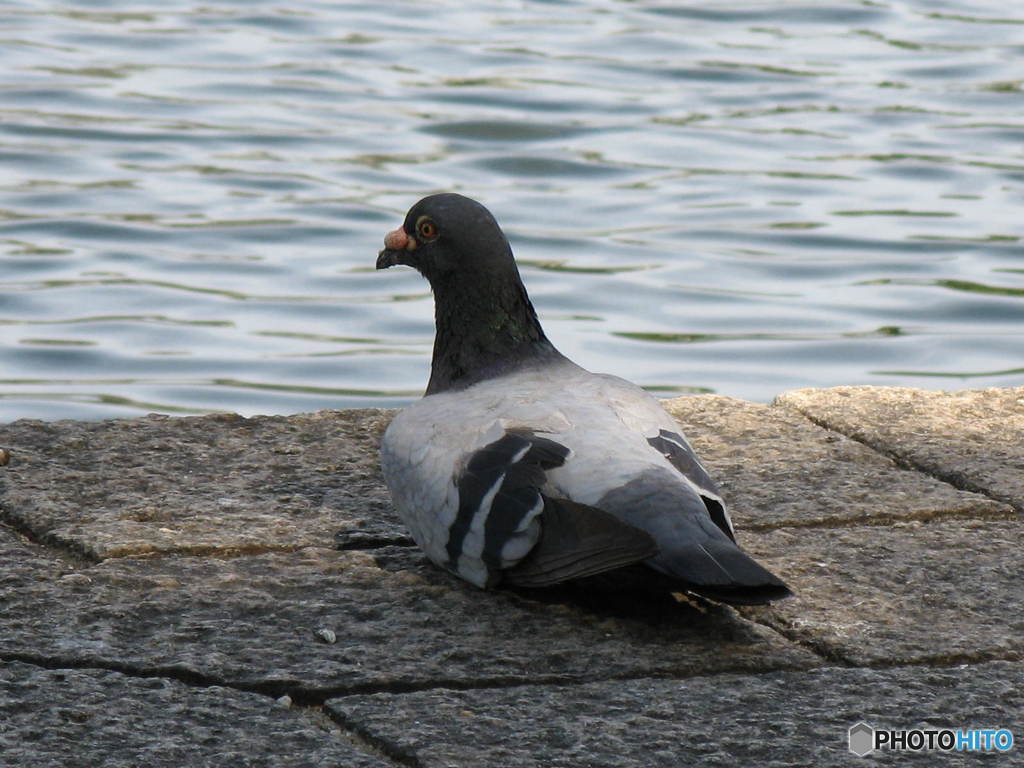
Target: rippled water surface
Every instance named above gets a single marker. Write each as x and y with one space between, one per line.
730 197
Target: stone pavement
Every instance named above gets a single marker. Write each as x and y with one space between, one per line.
221 591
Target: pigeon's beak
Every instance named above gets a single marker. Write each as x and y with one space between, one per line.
397 246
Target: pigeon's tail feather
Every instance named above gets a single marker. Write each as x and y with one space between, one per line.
718 569
695 546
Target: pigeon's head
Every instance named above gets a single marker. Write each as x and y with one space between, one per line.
485 323
448 235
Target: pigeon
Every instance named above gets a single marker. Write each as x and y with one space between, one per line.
520 468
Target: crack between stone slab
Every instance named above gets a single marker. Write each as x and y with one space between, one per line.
365 740
879 520
231 553
373 741
299 698
374 542
361 739
222 553
352 730
316 697
71 555
817 646
81 557
941 660
955 479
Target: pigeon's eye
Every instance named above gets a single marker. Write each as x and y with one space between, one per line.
426 229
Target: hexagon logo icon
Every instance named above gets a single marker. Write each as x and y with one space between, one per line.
862 739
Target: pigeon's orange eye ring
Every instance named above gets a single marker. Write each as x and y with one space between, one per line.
426 228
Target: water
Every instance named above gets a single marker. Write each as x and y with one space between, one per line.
711 197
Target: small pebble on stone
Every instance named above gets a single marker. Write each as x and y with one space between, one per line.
326 636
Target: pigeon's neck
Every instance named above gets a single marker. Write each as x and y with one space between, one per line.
483 331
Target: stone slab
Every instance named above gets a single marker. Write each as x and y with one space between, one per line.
915 593
776 468
89 718
399 622
973 439
209 484
776 719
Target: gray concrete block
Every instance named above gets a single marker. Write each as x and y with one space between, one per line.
777 468
973 439
775 719
198 485
398 621
936 593
90 718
